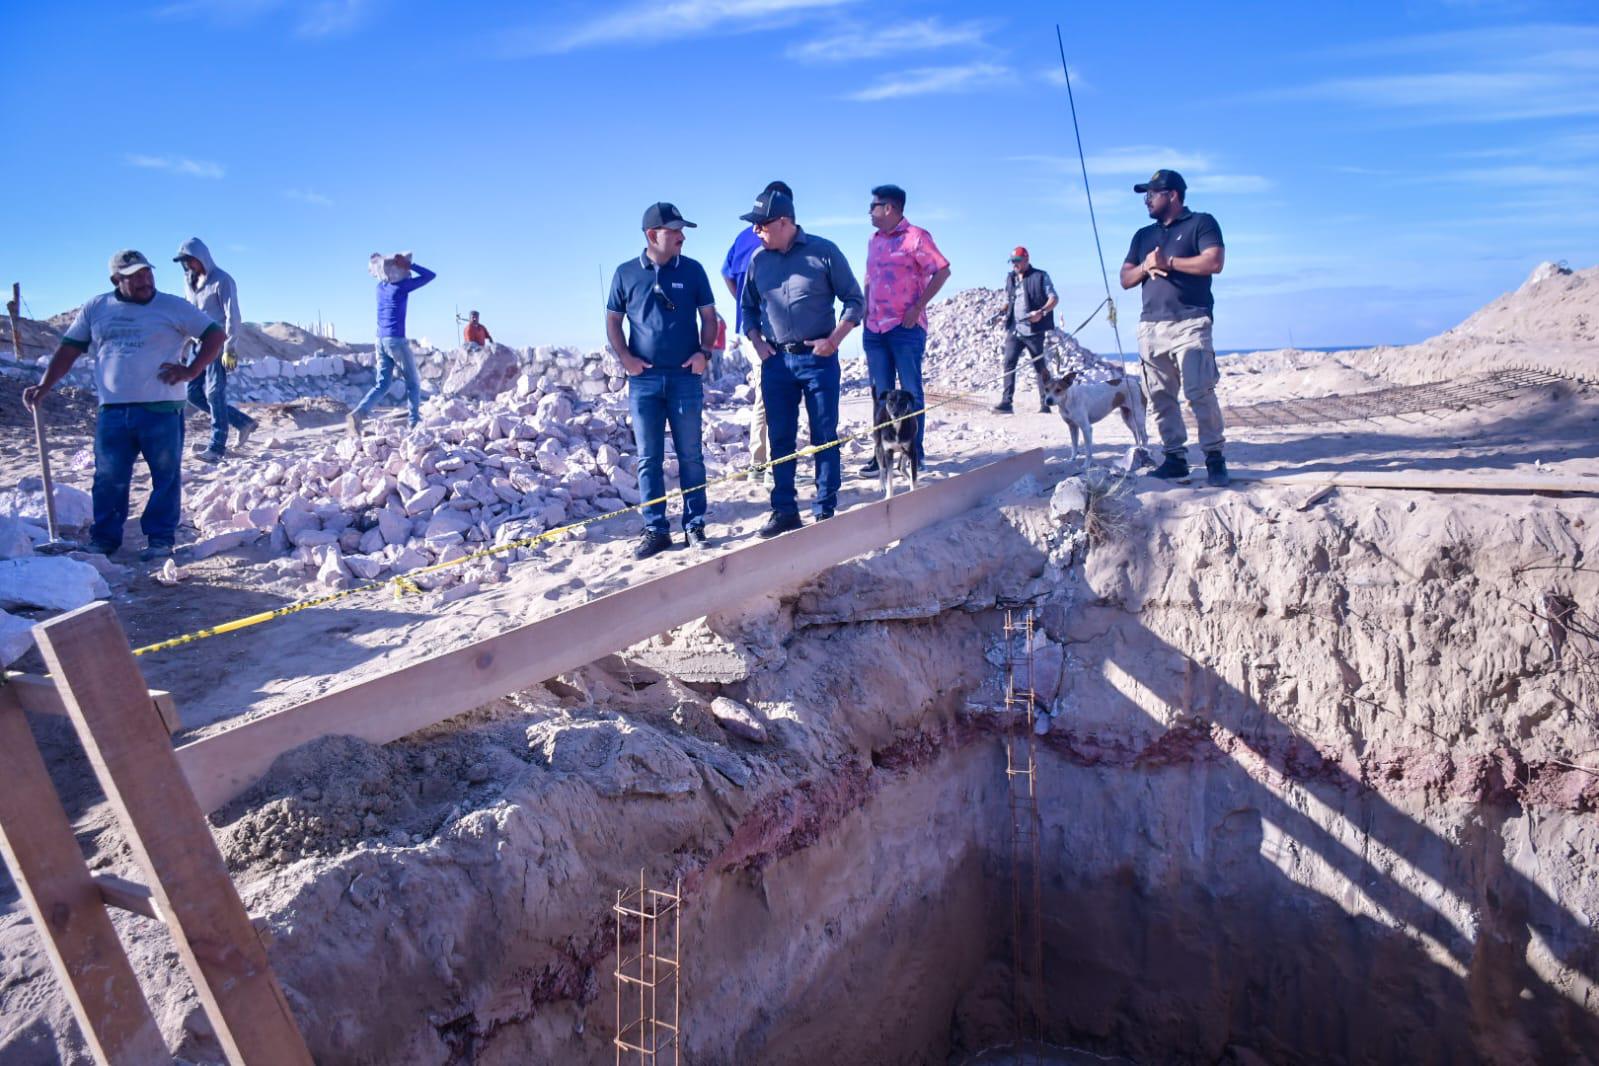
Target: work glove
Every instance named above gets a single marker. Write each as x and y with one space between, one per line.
230 360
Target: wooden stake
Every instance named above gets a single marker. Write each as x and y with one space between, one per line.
66 905
14 311
132 755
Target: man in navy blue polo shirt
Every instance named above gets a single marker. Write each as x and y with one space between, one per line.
665 354
1173 258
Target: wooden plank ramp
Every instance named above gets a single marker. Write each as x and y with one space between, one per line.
221 766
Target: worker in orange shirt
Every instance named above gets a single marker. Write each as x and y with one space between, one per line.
476 334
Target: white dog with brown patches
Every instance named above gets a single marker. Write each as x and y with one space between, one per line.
1082 403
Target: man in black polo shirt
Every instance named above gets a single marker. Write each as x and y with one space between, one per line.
1173 259
664 354
787 305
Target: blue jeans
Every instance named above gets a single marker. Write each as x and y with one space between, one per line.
122 433
658 398
786 380
394 357
209 392
897 355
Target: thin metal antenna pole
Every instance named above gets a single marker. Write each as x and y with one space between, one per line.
1071 99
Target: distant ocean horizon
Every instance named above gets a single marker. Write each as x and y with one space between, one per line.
1295 348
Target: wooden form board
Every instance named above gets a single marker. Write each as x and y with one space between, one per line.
221 766
66 905
38 695
131 752
1432 480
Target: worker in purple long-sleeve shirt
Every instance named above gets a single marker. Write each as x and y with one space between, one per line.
395 285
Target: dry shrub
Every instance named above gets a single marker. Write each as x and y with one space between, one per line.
1108 516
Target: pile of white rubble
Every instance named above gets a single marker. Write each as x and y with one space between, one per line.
473 474
966 346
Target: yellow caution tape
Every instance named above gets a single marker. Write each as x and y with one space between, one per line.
406 583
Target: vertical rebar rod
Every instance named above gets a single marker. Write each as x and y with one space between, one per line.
1021 770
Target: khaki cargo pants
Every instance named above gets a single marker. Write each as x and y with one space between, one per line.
760 441
1180 357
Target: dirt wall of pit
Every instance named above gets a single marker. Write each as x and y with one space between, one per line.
1308 795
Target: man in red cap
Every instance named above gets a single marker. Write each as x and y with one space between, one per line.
1029 316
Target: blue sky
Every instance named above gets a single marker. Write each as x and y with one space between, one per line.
1379 169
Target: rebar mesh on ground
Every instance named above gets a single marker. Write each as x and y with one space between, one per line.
1478 390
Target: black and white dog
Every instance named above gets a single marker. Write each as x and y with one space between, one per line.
1082 403
895 438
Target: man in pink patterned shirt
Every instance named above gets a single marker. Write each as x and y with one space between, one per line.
904 271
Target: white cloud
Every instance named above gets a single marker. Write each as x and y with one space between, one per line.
1489 74
1055 77
1142 160
327 18
1224 184
307 196
873 39
675 19
1145 159
924 80
307 18
194 168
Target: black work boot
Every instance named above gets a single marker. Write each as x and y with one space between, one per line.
1003 407
1174 466
650 543
1216 471
779 523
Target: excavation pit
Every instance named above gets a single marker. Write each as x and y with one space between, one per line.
1267 834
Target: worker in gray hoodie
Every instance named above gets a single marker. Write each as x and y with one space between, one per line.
211 289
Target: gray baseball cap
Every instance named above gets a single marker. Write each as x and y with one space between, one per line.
128 262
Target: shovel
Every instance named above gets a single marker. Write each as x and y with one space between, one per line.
55 545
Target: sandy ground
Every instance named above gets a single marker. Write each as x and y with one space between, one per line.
1552 430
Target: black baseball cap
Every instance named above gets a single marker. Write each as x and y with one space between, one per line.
769 205
665 216
1162 181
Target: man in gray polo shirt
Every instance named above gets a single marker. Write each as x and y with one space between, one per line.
140 338
787 305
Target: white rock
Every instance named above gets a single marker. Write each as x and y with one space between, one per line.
314 538
1069 502
739 720
222 542
296 522
393 527
364 566
107 569
16 637
332 573
408 559
425 500
15 541
52 582
74 507
170 573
